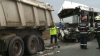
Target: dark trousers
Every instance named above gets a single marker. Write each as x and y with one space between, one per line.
98 40
84 38
52 37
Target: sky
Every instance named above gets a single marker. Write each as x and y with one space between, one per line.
58 3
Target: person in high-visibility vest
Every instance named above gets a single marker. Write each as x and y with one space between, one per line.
53 33
97 29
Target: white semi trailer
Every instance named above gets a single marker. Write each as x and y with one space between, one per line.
21 25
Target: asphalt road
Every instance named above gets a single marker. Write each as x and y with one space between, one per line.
74 50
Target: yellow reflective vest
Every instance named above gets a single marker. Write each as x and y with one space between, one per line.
53 30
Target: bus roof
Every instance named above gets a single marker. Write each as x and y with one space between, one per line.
73 5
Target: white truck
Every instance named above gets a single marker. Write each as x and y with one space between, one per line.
21 25
70 8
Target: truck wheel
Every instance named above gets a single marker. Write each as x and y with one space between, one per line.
16 47
41 44
30 44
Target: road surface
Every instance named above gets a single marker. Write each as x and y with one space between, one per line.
73 49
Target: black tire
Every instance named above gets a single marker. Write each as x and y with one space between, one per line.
41 44
16 47
31 44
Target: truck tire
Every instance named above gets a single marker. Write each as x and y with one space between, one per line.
41 44
30 44
16 47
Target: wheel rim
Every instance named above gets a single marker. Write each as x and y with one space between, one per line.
32 45
17 48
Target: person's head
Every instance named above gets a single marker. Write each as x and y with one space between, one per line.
52 26
84 17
